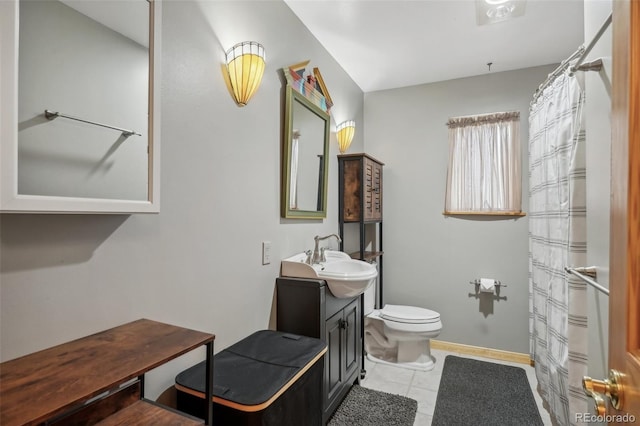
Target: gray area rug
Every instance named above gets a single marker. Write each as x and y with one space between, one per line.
482 393
368 407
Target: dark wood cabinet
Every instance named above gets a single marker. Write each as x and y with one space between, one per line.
307 307
360 188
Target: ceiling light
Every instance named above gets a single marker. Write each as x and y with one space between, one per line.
501 12
492 11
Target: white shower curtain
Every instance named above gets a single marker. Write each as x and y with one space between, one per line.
557 238
293 179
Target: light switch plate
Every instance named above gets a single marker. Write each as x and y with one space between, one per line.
266 252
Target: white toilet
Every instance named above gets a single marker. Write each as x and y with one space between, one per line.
399 335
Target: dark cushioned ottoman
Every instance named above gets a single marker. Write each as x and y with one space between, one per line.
269 378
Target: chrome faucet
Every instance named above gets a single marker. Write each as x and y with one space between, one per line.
318 255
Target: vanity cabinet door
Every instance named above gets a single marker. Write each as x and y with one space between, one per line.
351 337
333 370
342 336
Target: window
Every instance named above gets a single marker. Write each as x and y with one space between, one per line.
484 173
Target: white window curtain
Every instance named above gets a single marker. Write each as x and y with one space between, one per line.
484 173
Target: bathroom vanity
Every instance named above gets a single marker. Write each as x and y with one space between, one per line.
307 307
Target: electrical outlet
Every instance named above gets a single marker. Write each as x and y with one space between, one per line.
266 252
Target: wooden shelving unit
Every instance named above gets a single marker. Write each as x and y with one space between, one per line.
99 378
360 202
367 256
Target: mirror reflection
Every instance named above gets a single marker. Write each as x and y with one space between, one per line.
306 147
306 159
90 61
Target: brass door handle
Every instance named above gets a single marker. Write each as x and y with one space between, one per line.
611 387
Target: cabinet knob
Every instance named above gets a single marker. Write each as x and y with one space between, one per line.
343 324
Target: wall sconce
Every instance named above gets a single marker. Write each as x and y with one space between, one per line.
345 132
245 66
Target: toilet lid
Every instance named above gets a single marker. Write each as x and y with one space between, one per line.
409 314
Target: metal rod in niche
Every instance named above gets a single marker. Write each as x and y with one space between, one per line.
582 274
595 39
50 115
590 66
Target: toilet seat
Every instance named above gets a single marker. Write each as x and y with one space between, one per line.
409 314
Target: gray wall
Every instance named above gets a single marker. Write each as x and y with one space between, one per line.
429 258
598 119
197 263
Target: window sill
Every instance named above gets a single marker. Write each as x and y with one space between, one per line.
517 214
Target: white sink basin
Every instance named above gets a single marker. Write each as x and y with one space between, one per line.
345 277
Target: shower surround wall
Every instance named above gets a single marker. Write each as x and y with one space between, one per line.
598 121
430 258
197 264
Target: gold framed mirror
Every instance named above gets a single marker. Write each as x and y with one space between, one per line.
80 128
305 158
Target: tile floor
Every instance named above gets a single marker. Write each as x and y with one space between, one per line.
423 385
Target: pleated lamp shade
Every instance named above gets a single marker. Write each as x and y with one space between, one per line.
245 66
344 133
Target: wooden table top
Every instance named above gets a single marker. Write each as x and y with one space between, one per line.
38 386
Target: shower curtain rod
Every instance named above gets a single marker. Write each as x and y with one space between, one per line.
581 54
561 68
601 31
582 274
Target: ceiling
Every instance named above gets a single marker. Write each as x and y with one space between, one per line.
384 44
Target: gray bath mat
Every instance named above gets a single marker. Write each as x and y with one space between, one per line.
479 393
368 407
